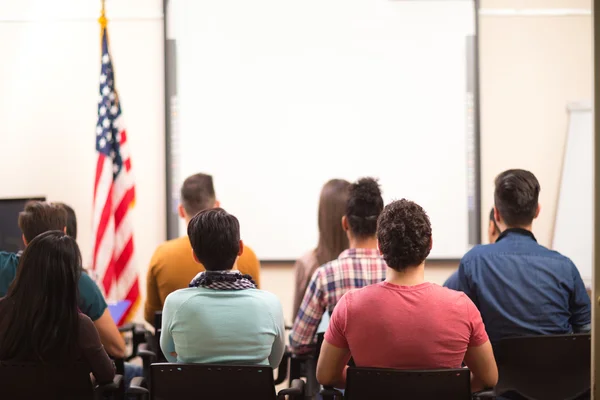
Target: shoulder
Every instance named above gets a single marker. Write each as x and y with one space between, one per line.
8 260
180 297
267 297
478 251
307 261
85 324
170 247
87 287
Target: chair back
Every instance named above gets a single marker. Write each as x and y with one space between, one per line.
160 357
209 381
45 382
544 367
378 383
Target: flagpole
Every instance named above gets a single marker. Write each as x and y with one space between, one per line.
102 20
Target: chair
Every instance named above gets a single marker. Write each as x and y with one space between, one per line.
376 383
223 382
552 367
25 381
150 350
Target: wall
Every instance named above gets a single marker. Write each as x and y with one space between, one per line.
49 86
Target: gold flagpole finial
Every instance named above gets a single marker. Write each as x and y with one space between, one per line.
102 20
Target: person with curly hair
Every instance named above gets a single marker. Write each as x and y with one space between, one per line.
358 266
406 322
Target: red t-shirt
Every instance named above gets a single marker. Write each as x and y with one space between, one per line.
406 327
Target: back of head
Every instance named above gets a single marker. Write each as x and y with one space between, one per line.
332 207
404 234
363 207
197 193
516 197
71 220
39 217
44 323
215 237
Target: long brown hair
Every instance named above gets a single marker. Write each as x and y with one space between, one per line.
332 207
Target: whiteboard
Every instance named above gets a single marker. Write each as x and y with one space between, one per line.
277 97
574 225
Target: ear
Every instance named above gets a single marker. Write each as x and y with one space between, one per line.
378 249
497 216
181 211
430 242
537 212
24 240
241 248
345 224
217 204
195 258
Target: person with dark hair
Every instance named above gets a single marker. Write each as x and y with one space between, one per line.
332 237
39 317
172 266
71 220
405 322
520 287
39 217
359 266
493 234
222 317
105 325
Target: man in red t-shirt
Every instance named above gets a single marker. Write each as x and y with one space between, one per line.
405 322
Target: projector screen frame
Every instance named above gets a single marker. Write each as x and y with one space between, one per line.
172 135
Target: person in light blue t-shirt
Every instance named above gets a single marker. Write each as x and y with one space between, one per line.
222 318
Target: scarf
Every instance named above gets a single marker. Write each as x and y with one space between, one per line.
223 280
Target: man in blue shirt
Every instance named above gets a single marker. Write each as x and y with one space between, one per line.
521 287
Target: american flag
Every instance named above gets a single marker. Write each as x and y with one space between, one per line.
114 194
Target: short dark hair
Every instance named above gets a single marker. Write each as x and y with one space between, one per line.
197 193
364 206
215 238
71 220
404 234
516 196
39 217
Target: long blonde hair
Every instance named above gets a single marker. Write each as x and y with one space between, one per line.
332 207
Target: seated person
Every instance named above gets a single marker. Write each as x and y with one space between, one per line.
39 319
172 266
222 317
359 266
520 287
106 326
405 322
493 233
332 237
39 217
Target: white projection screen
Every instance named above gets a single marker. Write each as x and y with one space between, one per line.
276 97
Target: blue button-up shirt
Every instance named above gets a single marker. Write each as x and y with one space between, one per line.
522 288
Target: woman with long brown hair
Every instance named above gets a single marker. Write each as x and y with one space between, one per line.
332 237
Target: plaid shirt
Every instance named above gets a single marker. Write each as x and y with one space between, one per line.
353 269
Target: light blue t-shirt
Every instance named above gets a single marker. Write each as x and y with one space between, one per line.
223 327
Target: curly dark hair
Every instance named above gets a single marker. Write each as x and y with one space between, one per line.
404 234
215 238
363 207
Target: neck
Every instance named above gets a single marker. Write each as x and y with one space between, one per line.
410 276
504 227
363 243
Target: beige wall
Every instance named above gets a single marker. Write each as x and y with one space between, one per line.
531 67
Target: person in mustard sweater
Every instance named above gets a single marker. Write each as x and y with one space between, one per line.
172 266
